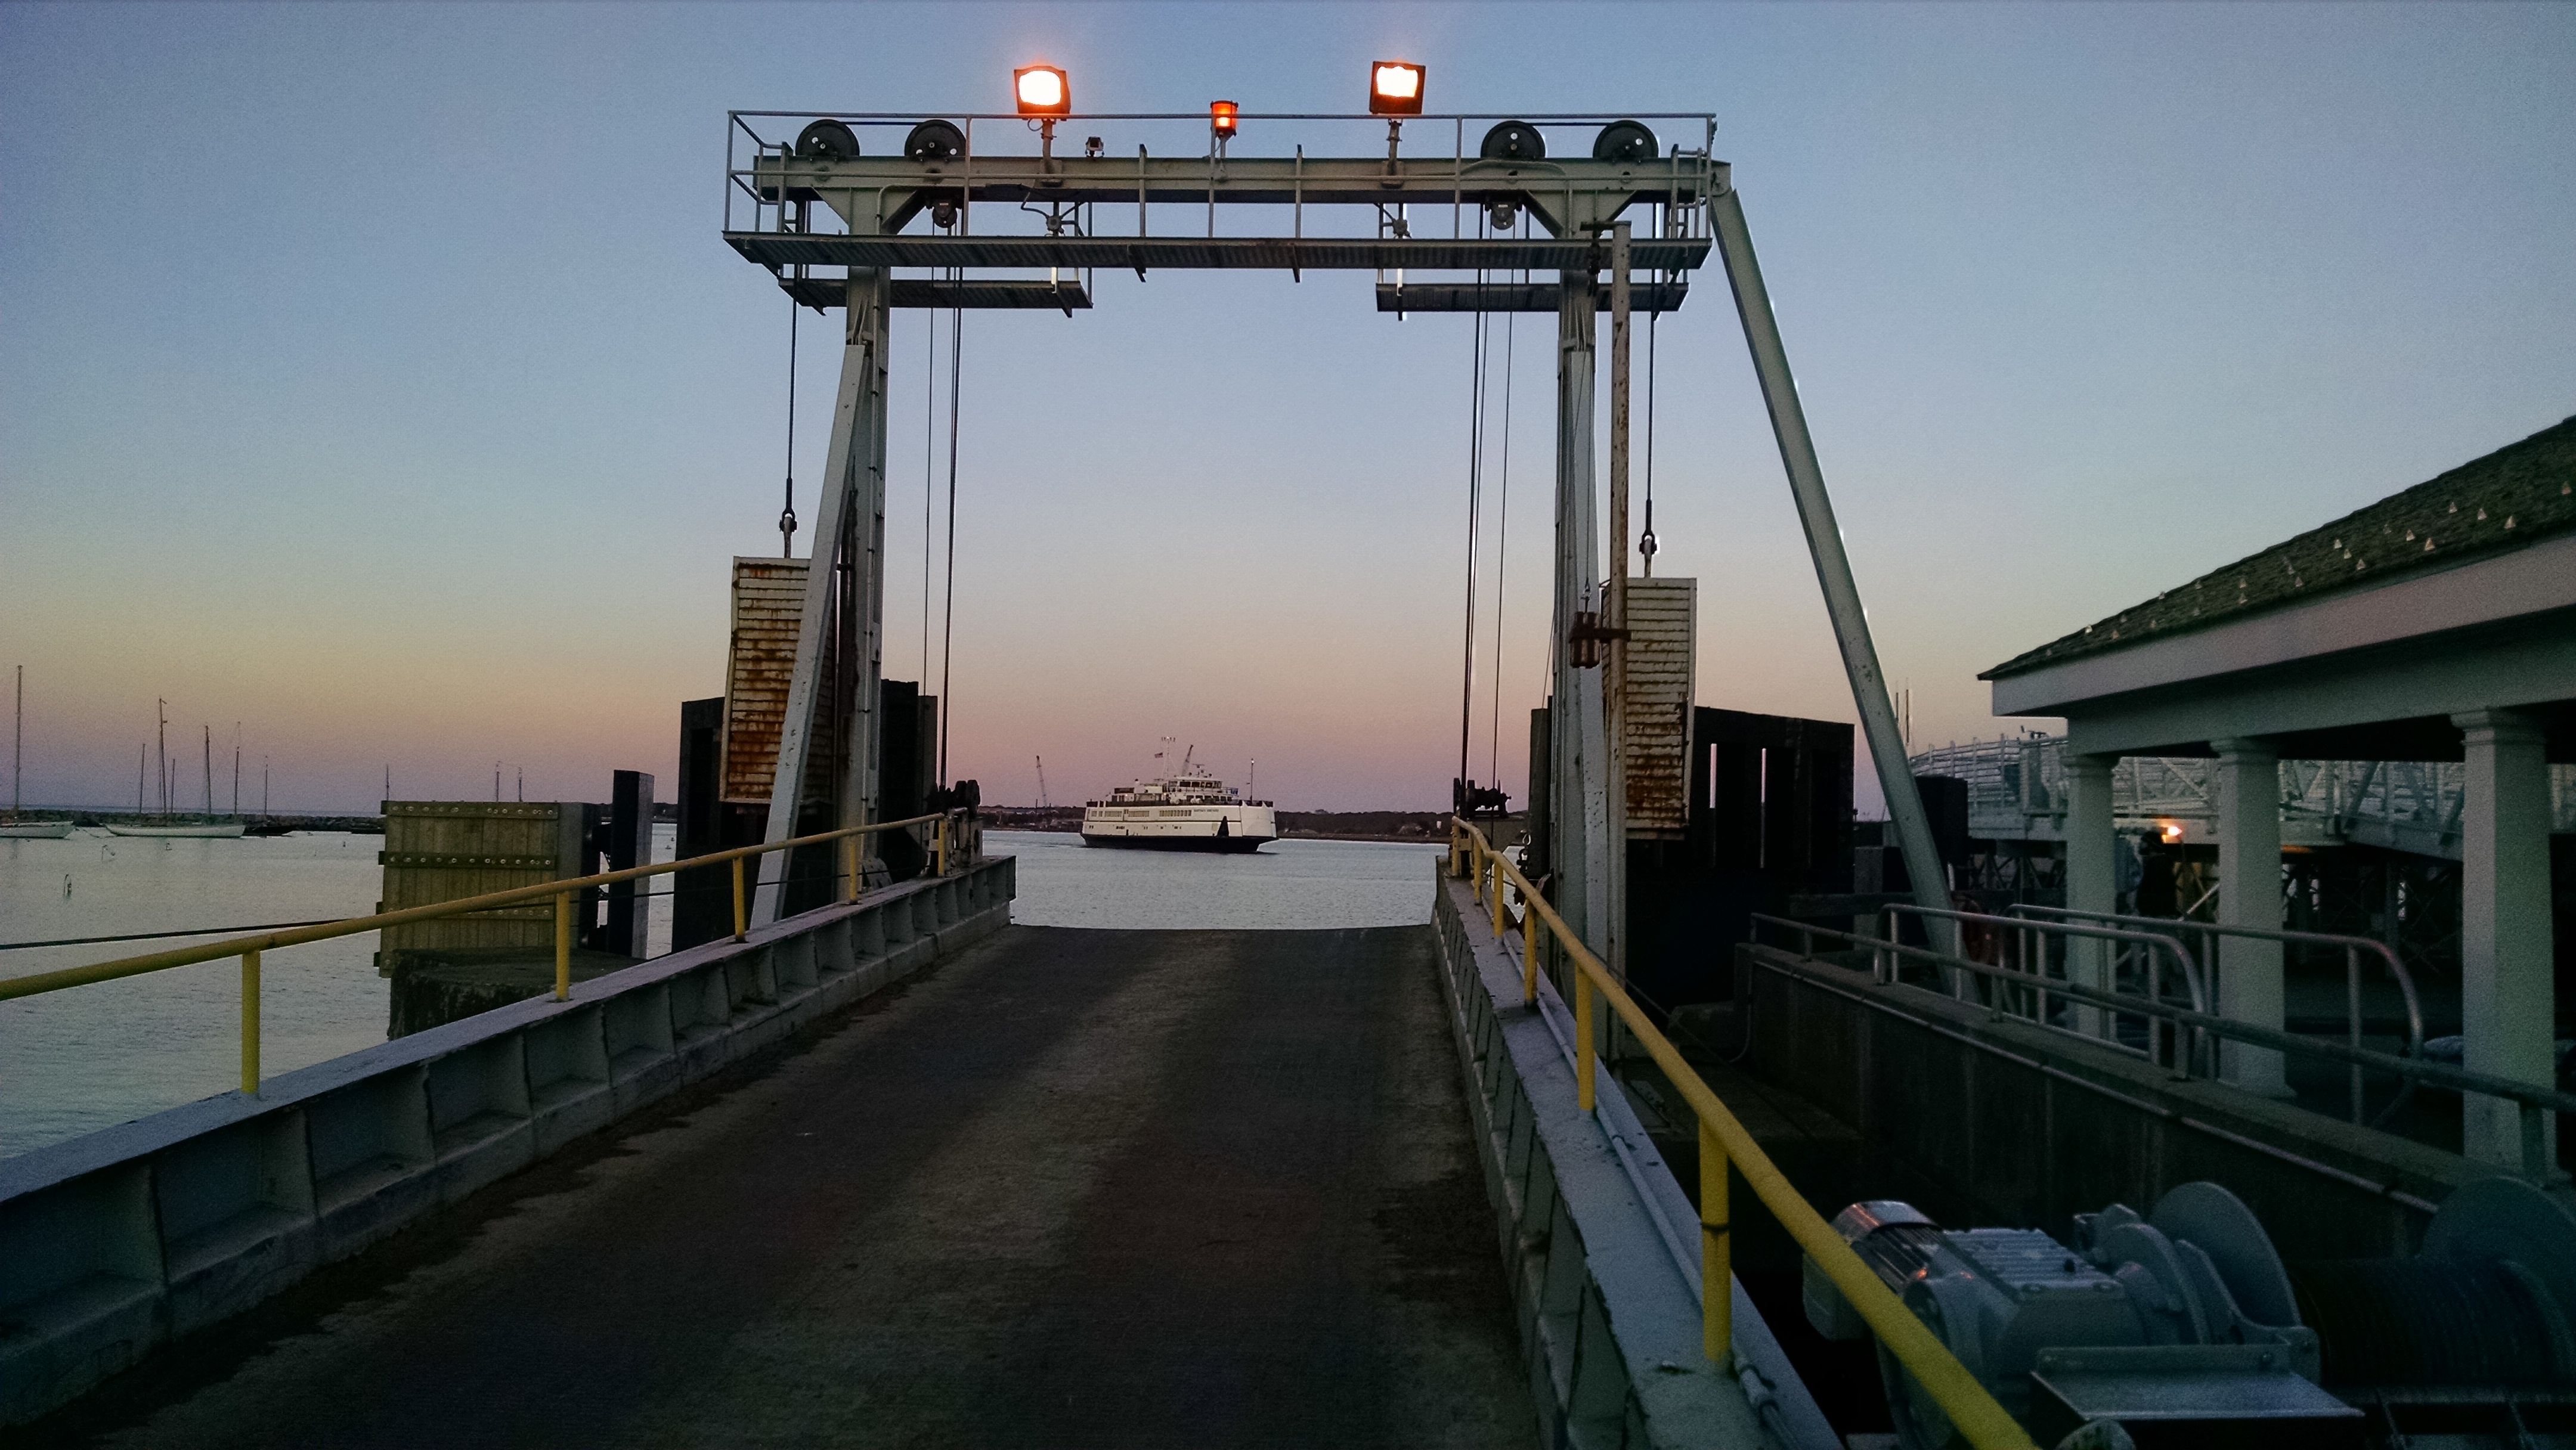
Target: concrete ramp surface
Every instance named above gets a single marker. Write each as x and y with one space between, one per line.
1076 1188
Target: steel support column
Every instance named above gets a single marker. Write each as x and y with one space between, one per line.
1833 567
1578 805
2249 894
2092 871
849 544
2508 997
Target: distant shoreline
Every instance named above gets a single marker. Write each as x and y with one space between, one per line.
1387 827
371 825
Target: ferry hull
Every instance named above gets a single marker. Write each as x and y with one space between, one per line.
1222 845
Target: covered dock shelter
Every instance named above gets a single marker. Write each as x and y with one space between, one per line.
2438 624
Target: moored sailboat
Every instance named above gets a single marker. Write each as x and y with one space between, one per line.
166 824
14 829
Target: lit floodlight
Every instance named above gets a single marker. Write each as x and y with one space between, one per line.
1395 88
1222 116
1042 90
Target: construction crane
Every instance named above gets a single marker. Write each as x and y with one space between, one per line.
1042 795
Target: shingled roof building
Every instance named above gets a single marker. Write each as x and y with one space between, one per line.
2436 624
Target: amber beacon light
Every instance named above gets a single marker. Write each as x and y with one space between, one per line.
1222 116
1395 88
1042 90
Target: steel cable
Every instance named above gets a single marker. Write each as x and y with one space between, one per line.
948 608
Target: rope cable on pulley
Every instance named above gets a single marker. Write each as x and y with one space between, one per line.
1502 547
929 473
948 608
1475 466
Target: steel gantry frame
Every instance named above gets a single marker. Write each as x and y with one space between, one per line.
897 211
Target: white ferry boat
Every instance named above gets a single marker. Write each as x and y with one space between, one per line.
1191 811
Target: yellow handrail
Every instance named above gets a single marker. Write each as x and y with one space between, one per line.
1970 1408
249 948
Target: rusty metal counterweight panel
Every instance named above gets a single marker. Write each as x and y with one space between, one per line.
1663 655
760 663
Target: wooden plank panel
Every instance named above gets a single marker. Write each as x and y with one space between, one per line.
446 850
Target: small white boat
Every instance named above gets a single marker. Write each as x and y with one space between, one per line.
34 830
204 828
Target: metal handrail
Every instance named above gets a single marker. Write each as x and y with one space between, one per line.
1723 1139
2182 960
2534 1101
2352 946
249 948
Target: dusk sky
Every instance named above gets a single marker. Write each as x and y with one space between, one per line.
374 375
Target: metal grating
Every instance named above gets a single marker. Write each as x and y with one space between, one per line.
1662 661
768 613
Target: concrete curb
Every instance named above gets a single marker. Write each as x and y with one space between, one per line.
1609 1313
117 1241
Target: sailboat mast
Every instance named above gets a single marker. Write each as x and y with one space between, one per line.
236 770
210 770
18 748
161 752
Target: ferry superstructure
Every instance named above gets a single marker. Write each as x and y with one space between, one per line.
1190 811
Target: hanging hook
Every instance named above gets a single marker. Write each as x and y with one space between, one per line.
787 512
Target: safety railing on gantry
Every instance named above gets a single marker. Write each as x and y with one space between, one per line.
250 948
1723 1141
1134 171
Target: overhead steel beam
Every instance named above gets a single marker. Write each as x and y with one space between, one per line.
901 185
1833 566
1512 297
1315 254
824 293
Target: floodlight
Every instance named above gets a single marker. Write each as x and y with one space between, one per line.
1222 116
1395 88
1042 90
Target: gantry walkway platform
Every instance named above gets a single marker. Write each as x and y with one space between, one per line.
1070 1187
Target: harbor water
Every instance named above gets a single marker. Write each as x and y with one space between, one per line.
94 1056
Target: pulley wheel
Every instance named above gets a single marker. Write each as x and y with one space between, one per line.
827 140
2506 1218
1626 142
1516 141
935 141
2225 1229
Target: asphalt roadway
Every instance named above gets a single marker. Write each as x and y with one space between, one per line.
1074 1188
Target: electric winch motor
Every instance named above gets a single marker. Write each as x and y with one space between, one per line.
2186 1320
